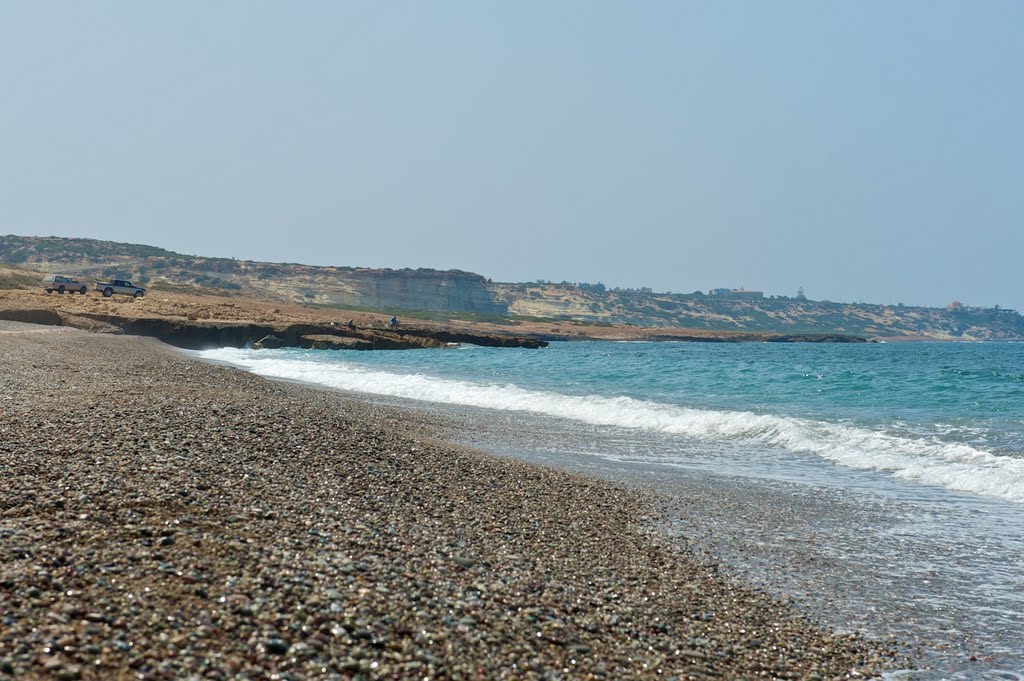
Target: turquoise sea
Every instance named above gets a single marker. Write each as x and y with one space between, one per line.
899 467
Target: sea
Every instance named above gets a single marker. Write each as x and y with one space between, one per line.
878 486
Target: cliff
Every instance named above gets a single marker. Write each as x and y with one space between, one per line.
771 315
376 289
451 291
453 294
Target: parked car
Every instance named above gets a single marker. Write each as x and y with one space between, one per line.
109 288
61 283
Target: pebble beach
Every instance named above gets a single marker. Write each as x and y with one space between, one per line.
165 518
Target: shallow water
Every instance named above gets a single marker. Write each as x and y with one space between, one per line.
882 487
942 573
943 414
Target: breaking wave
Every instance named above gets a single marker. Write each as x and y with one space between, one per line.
928 460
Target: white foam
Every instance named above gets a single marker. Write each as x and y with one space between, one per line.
955 466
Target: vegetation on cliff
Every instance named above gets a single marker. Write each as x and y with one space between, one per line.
455 292
777 314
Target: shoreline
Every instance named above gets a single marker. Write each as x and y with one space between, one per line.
197 322
211 522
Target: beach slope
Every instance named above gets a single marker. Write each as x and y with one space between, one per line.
167 518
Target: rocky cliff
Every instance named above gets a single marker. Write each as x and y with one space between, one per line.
200 334
377 289
452 291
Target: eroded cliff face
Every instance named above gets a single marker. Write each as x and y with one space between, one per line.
377 289
420 290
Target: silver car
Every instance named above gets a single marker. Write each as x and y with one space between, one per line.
61 283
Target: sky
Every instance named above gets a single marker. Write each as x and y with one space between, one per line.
865 151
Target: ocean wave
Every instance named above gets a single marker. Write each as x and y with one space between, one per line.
929 460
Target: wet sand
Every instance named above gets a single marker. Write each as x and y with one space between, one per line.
167 518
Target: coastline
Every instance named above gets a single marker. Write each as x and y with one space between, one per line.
200 322
167 516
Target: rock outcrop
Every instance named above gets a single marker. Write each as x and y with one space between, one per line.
270 342
816 338
199 334
320 341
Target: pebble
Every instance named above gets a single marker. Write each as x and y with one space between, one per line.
276 646
212 524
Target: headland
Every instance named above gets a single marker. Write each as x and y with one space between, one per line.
193 321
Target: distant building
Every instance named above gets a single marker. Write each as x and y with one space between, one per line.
737 293
954 306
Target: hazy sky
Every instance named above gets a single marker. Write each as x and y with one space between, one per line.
867 151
